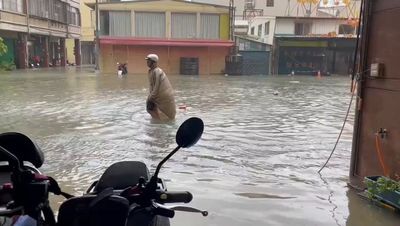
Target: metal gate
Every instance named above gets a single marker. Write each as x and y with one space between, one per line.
87 51
255 62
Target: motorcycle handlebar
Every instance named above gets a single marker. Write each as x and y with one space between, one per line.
174 197
164 212
11 212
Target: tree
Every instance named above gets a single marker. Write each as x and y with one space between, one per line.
3 47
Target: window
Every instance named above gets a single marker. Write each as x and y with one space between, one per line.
56 10
270 3
266 30
252 30
93 18
209 28
104 23
13 5
120 23
249 4
38 8
302 28
259 31
345 29
183 25
73 16
150 24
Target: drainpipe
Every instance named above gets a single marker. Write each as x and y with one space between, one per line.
29 31
27 15
97 44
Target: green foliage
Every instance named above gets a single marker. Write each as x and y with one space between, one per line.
383 184
3 47
7 66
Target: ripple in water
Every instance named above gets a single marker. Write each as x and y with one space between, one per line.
256 163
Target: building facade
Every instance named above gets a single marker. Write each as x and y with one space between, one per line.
178 31
247 9
307 45
313 45
376 143
36 31
88 33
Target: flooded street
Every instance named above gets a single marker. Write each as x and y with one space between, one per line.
256 163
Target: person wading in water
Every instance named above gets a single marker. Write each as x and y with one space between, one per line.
160 102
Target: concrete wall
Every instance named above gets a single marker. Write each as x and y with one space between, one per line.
211 60
286 26
268 39
326 26
87 24
378 98
279 8
69 45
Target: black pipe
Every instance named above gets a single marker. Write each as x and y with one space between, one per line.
357 46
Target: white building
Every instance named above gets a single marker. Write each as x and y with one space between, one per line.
300 38
266 28
263 29
328 8
306 45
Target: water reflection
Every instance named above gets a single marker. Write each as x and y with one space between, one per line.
363 212
256 163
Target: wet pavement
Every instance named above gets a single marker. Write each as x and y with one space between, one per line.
256 163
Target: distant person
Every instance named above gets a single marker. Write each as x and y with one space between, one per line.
122 69
160 102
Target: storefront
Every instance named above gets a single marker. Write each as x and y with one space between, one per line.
312 55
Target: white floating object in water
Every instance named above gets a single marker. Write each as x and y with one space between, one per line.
182 107
276 92
295 82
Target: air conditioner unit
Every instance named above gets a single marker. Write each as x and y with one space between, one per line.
249 4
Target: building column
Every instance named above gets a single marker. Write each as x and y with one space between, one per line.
198 25
62 52
77 52
133 23
22 47
168 29
46 56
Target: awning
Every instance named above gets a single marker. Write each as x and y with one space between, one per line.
165 42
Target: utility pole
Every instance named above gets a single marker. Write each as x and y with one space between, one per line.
231 19
97 40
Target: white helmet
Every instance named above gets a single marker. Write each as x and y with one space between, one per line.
152 57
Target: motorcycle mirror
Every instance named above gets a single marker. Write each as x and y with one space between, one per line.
13 160
189 132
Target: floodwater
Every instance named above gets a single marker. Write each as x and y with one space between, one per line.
256 163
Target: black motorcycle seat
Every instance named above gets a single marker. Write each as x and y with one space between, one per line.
22 147
79 211
121 175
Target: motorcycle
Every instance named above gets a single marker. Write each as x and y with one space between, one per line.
122 70
125 194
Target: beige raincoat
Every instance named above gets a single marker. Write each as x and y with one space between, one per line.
161 92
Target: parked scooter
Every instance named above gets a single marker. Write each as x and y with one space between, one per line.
124 195
122 70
